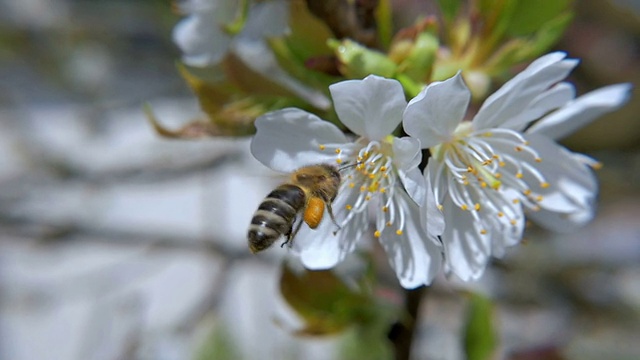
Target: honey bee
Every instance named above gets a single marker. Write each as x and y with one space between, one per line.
310 189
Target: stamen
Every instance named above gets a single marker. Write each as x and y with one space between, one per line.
349 207
338 150
376 234
322 147
399 232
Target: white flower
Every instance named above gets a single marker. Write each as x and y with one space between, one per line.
383 178
205 39
487 172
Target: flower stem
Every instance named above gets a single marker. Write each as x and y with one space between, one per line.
401 332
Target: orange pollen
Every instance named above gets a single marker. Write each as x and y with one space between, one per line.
383 168
518 148
385 208
538 160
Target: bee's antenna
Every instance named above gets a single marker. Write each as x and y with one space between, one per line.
347 166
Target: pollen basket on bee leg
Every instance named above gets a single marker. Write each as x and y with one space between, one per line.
314 212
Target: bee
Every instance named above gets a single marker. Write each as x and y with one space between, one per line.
309 191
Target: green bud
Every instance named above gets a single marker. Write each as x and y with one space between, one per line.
357 61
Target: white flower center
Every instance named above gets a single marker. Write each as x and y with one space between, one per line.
370 176
484 166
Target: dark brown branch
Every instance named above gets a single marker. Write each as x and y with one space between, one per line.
401 333
348 19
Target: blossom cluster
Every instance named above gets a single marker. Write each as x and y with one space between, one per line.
485 175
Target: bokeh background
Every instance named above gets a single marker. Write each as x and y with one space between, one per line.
118 244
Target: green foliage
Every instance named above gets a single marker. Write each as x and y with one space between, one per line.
449 8
219 345
529 16
480 339
357 61
329 306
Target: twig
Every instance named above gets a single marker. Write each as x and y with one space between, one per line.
401 333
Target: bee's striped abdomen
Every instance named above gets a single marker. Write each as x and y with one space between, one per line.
275 216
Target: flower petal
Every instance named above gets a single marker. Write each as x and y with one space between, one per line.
414 255
431 215
201 40
466 250
582 111
516 94
572 185
552 99
325 246
563 223
371 107
266 19
436 111
407 157
288 139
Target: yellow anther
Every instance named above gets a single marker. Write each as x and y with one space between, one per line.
367 197
519 175
527 192
383 190
362 188
487 162
513 222
338 151
497 175
470 169
383 168
538 160
464 207
495 156
339 161
440 207
483 232
322 147
518 148
372 176
349 207
376 234
388 223
536 208
359 159
544 185
502 164
483 184
398 232
488 134
466 182
526 142
352 185
597 166
539 198
477 207
385 208
500 214
516 201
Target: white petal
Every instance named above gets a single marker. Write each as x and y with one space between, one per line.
326 246
573 186
371 107
563 223
290 138
582 111
431 215
201 40
552 99
516 94
257 55
407 157
436 111
467 252
415 257
266 19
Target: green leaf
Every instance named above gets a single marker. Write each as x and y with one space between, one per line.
480 339
449 8
529 16
322 300
218 345
357 61
384 21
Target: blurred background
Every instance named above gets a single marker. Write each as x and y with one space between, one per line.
118 244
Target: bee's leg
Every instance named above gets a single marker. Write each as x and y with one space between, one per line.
333 218
291 234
